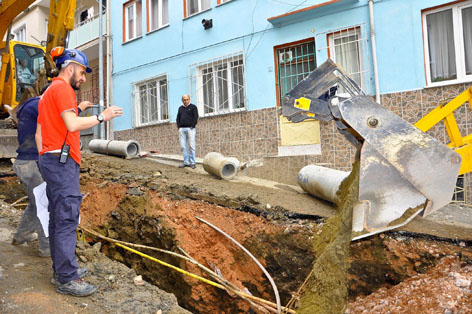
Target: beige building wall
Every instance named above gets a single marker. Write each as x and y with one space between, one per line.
34 20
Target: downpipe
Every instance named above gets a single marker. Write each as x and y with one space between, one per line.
126 149
374 51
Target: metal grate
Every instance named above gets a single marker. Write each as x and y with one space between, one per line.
460 192
151 102
218 85
348 48
294 63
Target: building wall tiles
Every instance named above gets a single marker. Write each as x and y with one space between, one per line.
254 134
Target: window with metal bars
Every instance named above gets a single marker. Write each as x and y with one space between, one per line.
346 50
220 85
294 62
151 101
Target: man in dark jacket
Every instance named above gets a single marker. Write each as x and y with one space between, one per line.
187 119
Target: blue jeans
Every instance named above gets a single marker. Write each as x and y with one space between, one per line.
63 191
187 136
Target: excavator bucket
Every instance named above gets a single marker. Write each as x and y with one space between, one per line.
404 172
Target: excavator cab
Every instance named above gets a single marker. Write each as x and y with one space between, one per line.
25 62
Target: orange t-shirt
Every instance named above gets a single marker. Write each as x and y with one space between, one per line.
56 100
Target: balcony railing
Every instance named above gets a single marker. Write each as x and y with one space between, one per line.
86 31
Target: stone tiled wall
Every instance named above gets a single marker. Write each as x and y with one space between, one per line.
254 135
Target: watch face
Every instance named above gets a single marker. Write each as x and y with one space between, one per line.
100 118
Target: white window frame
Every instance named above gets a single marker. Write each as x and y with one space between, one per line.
135 18
20 33
138 105
160 12
346 33
200 9
229 85
458 44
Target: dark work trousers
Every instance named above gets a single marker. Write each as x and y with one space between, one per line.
63 192
28 172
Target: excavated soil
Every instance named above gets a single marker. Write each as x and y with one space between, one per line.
148 203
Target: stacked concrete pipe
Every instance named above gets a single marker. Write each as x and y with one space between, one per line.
116 148
321 182
221 166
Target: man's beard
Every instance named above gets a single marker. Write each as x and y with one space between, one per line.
74 83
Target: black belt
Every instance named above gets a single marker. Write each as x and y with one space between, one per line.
55 154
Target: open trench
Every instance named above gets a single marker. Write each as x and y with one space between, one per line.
148 210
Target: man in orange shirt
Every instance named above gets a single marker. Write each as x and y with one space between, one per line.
58 138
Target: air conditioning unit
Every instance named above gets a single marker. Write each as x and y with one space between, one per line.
285 56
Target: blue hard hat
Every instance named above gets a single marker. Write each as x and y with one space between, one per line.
75 56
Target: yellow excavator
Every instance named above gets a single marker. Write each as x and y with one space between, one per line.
25 67
404 172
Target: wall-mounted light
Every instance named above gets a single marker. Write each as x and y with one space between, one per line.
207 23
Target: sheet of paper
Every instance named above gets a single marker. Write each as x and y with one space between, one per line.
42 206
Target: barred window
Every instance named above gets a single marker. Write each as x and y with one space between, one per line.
294 62
151 101
347 47
220 86
346 50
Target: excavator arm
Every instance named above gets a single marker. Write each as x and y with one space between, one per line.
403 171
12 90
60 23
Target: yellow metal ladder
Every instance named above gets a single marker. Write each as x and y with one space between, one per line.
445 113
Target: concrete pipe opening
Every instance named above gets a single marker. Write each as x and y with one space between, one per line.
132 149
229 170
221 166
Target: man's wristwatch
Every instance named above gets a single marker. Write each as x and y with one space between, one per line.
100 118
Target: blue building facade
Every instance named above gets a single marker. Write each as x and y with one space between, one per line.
236 59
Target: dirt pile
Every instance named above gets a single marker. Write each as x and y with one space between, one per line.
446 288
152 204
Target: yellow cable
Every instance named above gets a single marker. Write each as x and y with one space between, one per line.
172 266
215 284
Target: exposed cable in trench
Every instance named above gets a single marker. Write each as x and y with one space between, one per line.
274 287
126 245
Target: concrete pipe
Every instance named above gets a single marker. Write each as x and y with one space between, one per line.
321 182
219 165
115 148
